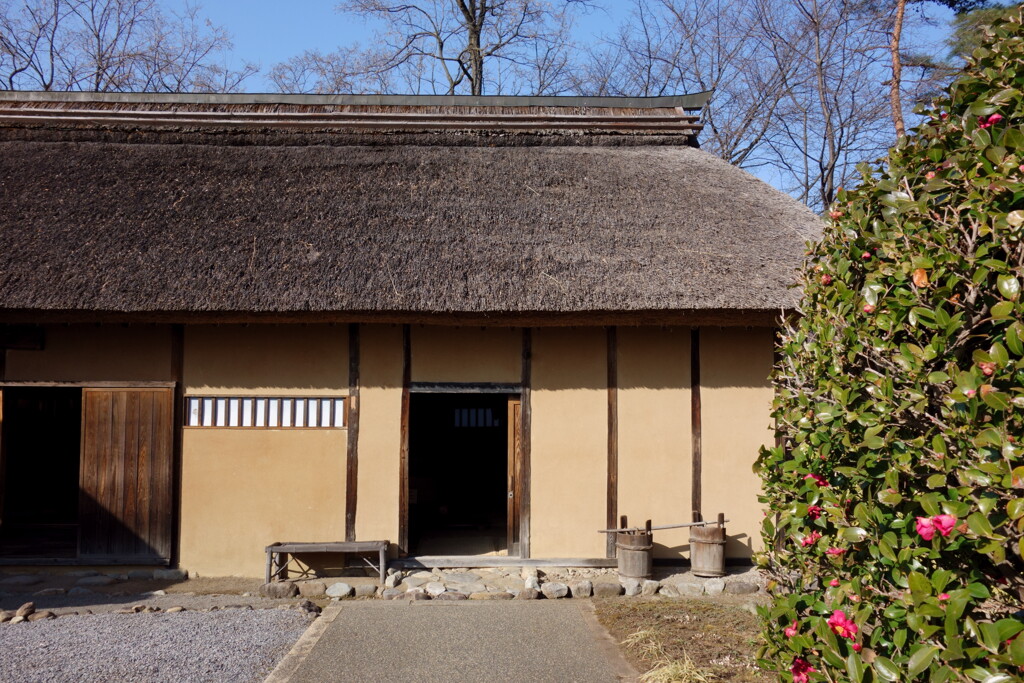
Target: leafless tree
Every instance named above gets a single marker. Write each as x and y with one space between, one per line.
674 46
796 82
111 45
447 47
833 116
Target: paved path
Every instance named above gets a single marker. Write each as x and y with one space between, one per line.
455 641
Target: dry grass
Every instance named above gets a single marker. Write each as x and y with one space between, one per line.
689 641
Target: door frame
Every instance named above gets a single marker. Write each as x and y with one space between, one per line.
517 484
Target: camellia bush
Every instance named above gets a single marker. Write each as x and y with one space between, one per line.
895 490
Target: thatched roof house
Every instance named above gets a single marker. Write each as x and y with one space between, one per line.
392 261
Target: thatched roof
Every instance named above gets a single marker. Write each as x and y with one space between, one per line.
164 218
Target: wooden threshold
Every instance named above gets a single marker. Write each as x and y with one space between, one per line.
483 561
91 561
93 385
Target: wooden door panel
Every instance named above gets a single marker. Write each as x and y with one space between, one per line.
514 485
126 501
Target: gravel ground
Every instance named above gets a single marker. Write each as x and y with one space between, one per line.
225 645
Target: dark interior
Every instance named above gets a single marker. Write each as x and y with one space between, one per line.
458 469
39 472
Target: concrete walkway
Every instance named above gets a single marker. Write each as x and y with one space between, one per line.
545 640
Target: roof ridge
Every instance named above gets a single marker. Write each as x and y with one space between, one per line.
687 102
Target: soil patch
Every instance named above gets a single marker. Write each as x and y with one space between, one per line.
690 639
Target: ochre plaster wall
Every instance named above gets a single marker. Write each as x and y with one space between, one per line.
380 427
97 353
243 489
467 354
736 398
266 360
569 444
655 451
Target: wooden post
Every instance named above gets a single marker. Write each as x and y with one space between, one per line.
403 465
695 421
613 437
178 420
524 474
352 422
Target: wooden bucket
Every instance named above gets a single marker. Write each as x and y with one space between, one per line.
707 549
634 554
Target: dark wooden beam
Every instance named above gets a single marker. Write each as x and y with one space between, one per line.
695 422
352 456
22 337
178 416
464 388
613 437
711 317
525 446
403 461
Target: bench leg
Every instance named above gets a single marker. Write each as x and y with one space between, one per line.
383 564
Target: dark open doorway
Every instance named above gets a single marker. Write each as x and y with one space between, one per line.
458 474
39 472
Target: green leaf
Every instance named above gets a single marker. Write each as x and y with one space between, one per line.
852 534
1003 309
997 400
921 659
885 669
1009 286
855 667
1015 508
980 525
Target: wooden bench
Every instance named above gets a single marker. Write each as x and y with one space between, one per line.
280 555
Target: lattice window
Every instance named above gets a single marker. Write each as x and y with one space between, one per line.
475 417
270 412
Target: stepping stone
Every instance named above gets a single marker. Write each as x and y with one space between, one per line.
339 590
554 590
491 596
607 590
581 589
452 596
528 594
22 580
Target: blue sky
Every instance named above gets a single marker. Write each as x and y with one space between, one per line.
266 32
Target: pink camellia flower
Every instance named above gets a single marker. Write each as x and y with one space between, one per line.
841 625
866 255
925 528
1021 168
818 479
835 552
987 123
944 524
835 215
969 392
868 308
943 597
929 175
826 279
814 511
810 539
856 647
834 583
800 668
791 631
943 116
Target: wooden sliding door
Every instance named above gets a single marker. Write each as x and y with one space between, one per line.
126 475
